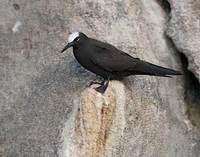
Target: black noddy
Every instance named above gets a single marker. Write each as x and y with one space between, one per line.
109 62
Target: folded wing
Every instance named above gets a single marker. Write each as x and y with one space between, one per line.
113 60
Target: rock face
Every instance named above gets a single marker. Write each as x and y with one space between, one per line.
45 107
184 30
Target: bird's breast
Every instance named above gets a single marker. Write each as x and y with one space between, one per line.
85 59
82 57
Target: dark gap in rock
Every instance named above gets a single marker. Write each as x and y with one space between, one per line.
16 6
192 86
192 93
191 83
165 5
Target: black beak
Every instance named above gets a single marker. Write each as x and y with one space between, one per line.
67 46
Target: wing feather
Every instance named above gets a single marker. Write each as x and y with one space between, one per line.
109 58
112 59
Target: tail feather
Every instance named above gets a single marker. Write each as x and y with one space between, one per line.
146 68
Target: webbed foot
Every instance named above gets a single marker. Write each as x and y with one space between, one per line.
101 89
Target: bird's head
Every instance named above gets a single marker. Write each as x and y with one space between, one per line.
74 39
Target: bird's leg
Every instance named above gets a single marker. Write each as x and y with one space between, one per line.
103 87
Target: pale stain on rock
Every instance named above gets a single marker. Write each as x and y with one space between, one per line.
99 122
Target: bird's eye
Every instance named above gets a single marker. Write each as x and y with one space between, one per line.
77 39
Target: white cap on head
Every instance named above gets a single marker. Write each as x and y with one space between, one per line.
73 36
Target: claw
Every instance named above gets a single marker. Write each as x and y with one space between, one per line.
94 82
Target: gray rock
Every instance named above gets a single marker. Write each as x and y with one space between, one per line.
184 29
45 107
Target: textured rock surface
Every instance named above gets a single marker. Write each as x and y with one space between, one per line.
184 29
45 107
97 124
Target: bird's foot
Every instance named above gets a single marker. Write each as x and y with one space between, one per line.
94 82
101 89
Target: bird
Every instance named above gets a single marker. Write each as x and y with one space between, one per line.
109 62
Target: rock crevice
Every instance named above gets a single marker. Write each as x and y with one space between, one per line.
192 85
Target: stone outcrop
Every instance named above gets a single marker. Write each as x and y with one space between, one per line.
46 108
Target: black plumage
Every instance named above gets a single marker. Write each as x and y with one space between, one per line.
109 62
